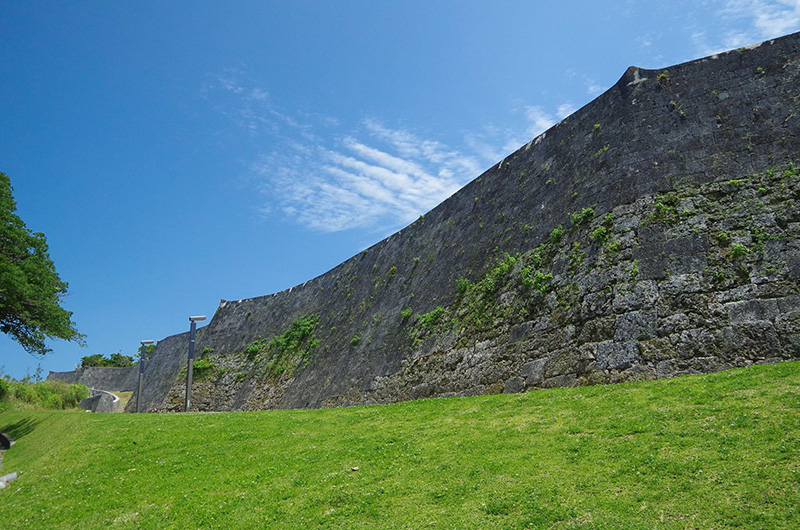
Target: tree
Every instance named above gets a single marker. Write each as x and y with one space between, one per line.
91 361
30 289
116 360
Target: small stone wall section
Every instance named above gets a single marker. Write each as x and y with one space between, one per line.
110 378
101 401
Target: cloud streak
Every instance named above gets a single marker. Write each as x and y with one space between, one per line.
372 176
769 18
745 22
376 178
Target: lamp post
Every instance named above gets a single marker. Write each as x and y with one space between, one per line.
145 343
190 362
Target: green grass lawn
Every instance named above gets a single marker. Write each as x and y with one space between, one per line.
714 451
124 397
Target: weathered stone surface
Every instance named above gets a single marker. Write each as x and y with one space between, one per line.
122 379
101 401
687 261
616 355
533 372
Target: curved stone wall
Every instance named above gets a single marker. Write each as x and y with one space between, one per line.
676 197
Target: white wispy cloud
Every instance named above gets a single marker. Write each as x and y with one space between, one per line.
371 176
594 88
769 18
492 143
565 109
539 121
744 22
376 177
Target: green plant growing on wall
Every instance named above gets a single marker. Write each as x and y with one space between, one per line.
536 280
759 238
612 246
556 235
666 209
602 150
254 348
599 235
738 250
582 217
288 351
575 257
678 107
203 368
462 284
406 313
431 318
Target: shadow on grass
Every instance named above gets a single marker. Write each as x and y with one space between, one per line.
19 429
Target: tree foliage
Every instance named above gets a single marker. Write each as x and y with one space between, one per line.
30 289
115 360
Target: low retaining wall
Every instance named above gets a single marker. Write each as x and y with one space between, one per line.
101 401
121 379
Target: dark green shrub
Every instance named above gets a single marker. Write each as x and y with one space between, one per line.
56 395
25 392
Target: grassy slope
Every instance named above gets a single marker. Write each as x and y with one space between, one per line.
124 397
715 451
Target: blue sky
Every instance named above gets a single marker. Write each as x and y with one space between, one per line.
176 153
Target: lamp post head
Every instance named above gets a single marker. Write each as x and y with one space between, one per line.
197 318
147 342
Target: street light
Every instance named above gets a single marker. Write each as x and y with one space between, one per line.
190 362
145 343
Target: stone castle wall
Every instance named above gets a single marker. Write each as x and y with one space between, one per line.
682 257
